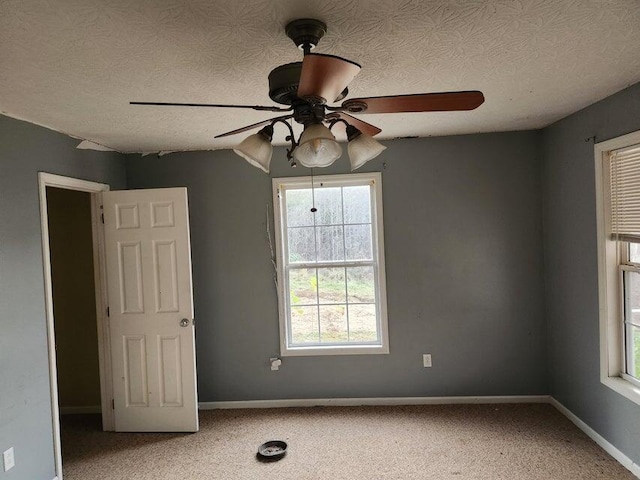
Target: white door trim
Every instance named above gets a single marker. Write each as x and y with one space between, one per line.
50 180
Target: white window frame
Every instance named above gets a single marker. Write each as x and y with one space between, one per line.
374 179
610 272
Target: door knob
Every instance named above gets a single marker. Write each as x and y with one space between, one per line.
184 322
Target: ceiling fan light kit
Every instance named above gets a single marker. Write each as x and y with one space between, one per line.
317 147
257 149
307 89
363 148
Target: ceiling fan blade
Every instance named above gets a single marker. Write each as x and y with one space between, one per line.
251 127
364 127
422 102
325 76
261 108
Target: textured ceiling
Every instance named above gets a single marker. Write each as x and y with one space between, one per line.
73 65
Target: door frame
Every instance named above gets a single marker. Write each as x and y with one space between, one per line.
99 267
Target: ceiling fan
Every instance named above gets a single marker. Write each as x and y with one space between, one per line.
308 89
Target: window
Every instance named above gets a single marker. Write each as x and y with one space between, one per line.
330 256
618 209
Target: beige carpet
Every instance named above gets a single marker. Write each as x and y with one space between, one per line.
512 442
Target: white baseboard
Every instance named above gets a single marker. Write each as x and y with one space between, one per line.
77 410
625 461
387 401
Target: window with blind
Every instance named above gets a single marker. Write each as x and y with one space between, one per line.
330 257
618 214
624 167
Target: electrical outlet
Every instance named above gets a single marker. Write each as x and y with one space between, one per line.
275 363
426 360
8 459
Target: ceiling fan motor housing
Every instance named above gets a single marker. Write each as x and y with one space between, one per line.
283 83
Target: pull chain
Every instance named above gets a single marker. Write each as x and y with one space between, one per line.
315 233
313 196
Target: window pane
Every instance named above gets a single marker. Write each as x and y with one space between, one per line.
331 285
358 242
328 205
330 244
357 202
333 323
304 325
362 323
360 285
302 246
303 288
633 355
632 297
299 208
634 252
632 319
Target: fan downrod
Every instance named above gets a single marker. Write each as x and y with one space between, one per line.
306 33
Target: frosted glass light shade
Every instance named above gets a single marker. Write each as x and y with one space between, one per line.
256 150
362 149
317 148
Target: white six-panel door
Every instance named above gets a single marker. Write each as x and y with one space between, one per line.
148 260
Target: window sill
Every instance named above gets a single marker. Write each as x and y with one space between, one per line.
334 350
623 387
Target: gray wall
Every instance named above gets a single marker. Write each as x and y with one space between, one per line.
25 409
464 272
571 267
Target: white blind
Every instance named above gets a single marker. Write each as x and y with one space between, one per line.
625 193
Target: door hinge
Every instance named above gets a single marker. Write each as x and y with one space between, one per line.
108 312
102 218
113 404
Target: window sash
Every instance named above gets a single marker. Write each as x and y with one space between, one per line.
346 303
331 264
627 340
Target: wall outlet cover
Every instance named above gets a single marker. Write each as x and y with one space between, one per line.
8 459
426 360
275 363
